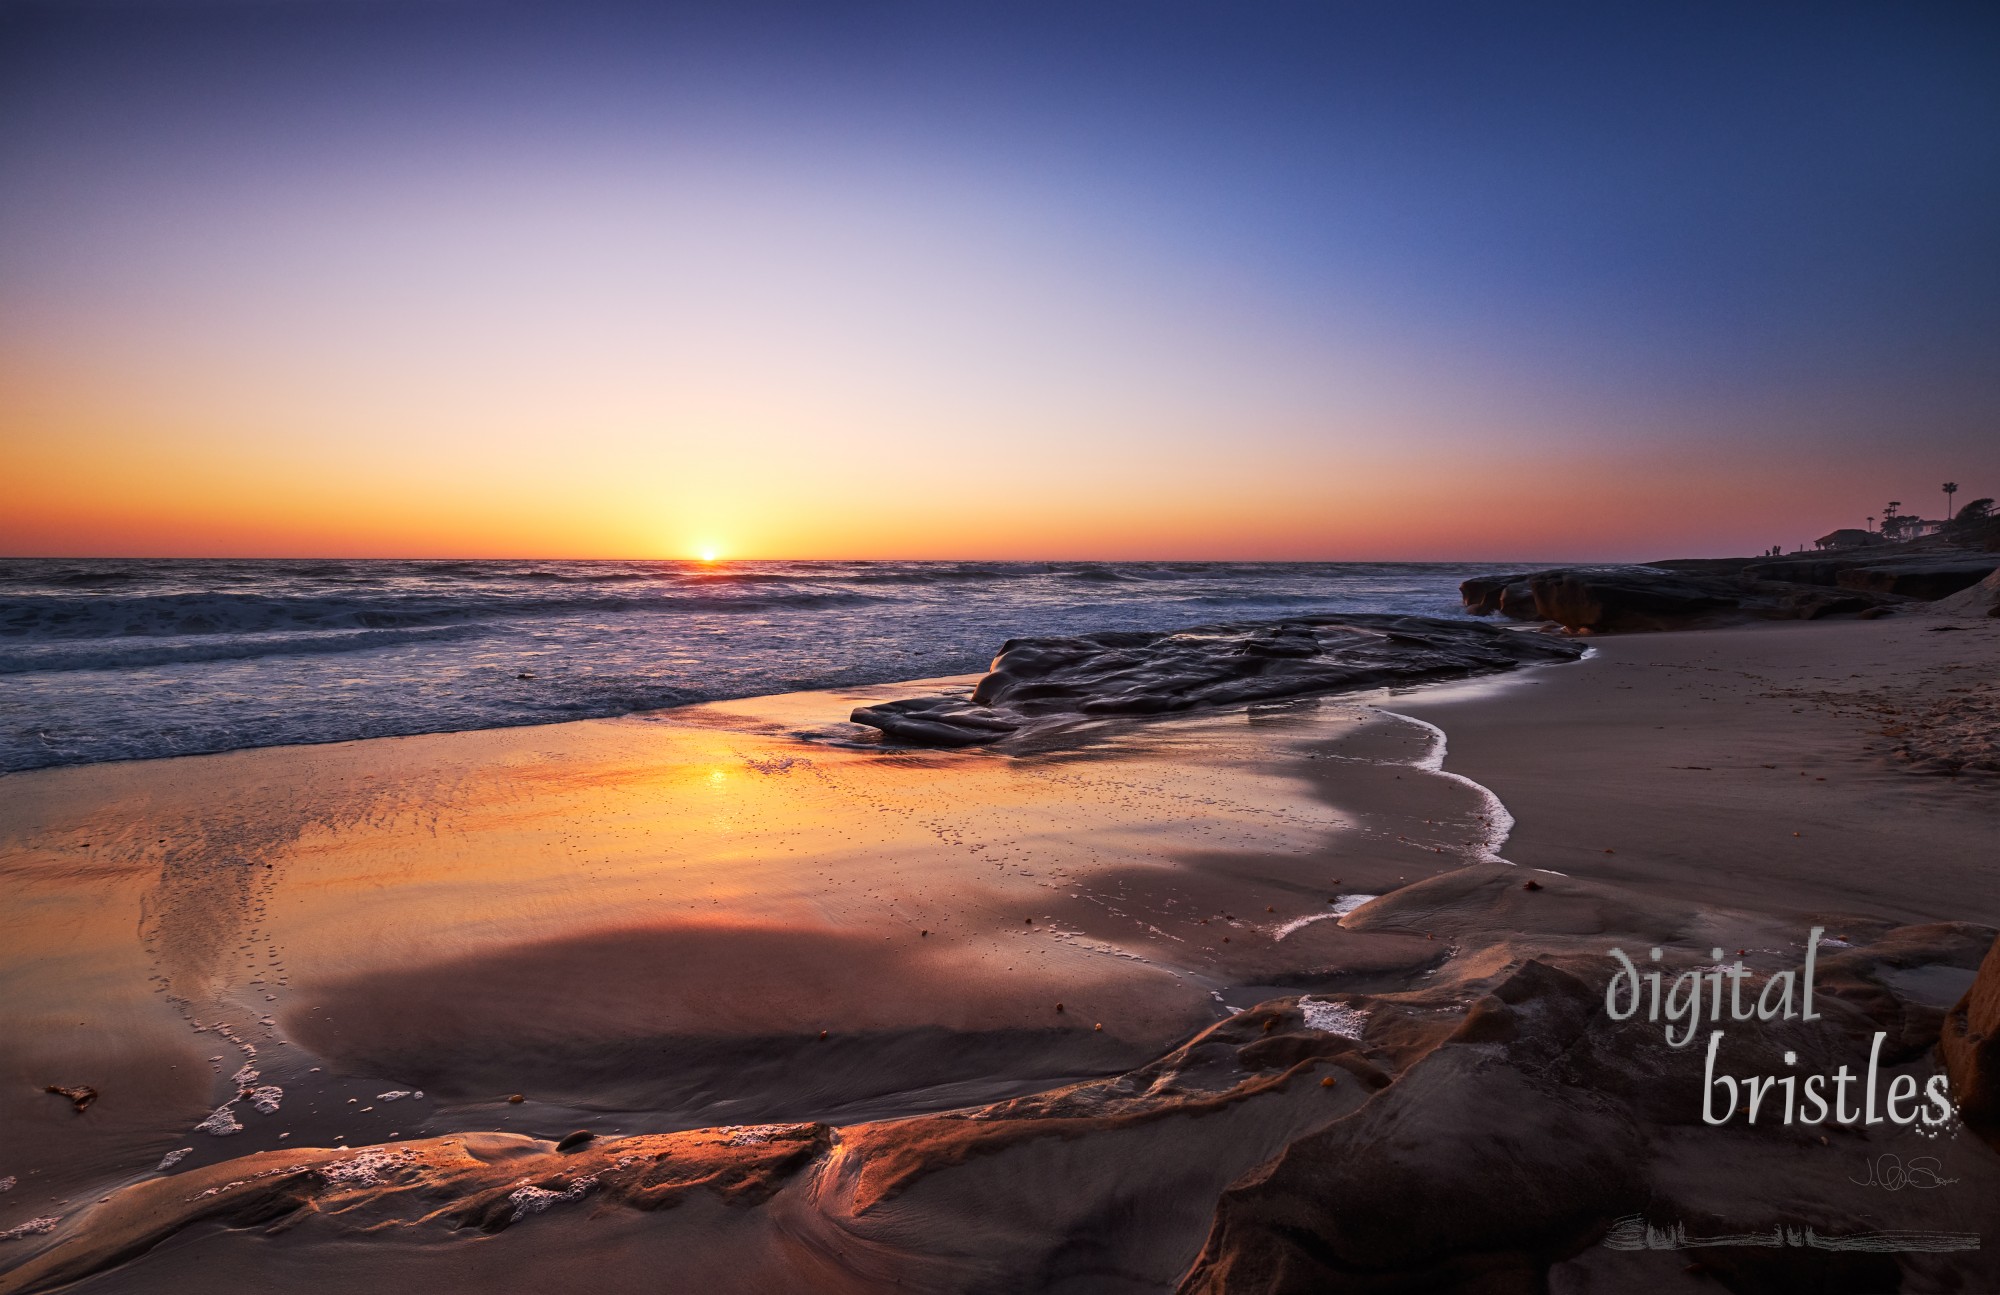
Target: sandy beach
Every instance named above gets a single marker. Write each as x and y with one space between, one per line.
1748 765
1031 649
991 1008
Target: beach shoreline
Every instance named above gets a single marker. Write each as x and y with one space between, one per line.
643 924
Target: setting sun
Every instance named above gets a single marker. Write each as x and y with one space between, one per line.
709 553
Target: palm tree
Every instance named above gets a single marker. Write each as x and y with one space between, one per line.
1950 489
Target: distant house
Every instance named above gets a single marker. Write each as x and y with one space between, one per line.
1848 537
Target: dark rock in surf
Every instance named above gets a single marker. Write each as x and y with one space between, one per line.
1038 683
936 721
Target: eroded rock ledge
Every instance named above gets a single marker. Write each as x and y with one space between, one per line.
1691 593
1613 599
1038 683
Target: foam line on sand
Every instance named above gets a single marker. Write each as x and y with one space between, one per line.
1499 824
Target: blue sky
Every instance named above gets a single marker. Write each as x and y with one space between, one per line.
1664 263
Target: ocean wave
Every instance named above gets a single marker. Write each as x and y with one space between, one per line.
76 578
935 575
863 574
51 617
126 658
139 654
1102 575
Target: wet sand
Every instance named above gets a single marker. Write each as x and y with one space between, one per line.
650 922
1746 766
753 913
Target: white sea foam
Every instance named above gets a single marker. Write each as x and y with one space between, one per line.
32 1228
1340 907
222 1123
365 1168
1329 1017
529 1199
1496 824
172 1158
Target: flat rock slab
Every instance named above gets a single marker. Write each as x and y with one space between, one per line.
1037 683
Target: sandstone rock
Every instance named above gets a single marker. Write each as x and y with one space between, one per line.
1982 599
1928 579
1970 1046
1535 1173
1925 569
1618 599
1542 1135
1483 594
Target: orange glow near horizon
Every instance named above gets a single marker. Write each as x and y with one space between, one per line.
811 414
134 503
146 480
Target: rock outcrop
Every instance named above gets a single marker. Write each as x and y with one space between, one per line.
1037 683
1970 1046
1924 578
1688 593
1542 1136
1924 569
1614 599
1982 599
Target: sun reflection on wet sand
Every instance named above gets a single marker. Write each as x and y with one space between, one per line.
629 912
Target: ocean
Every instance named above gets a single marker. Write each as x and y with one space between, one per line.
122 659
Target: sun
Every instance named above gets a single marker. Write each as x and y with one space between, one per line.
708 553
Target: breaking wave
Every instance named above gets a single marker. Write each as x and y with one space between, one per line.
130 659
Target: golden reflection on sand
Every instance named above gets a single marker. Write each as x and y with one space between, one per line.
629 912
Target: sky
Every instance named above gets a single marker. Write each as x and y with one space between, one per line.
1092 280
